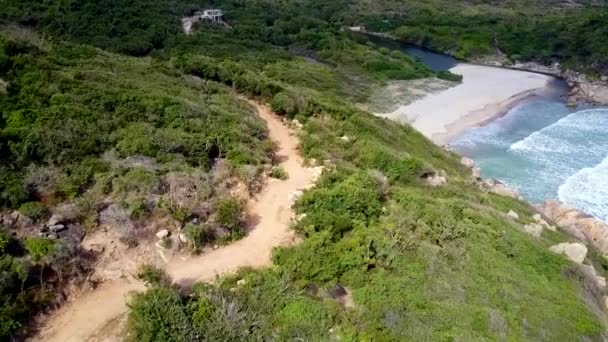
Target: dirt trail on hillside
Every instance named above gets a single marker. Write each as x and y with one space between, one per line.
83 318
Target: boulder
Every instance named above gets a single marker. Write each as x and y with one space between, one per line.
591 273
24 221
534 229
183 238
577 224
7 219
57 228
476 173
297 124
241 282
468 162
604 78
575 251
437 180
538 218
503 190
54 220
14 215
345 138
513 214
163 233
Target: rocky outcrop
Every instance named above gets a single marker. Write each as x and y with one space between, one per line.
575 251
533 229
513 214
577 224
436 180
470 163
490 185
499 188
540 220
582 89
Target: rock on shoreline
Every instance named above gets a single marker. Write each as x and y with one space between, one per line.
581 88
577 223
572 221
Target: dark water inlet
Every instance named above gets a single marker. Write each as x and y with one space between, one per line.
434 60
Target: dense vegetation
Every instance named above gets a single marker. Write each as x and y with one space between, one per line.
384 255
573 32
420 263
545 31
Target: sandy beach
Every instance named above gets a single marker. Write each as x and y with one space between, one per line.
484 94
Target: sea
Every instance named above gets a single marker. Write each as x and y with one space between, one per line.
541 147
546 150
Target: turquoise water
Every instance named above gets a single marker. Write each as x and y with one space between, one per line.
546 150
541 147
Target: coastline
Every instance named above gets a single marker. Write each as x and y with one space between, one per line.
581 88
577 88
485 94
483 116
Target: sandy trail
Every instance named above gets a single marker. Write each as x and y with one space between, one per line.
81 319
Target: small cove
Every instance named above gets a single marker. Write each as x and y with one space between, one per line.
540 146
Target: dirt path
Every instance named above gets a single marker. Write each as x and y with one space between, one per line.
82 319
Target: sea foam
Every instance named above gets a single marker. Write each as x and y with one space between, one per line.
546 151
588 190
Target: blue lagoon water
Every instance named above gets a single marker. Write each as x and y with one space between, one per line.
546 150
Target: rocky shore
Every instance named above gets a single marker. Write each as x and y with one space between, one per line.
573 222
576 223
581 87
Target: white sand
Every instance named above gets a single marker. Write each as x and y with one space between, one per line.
484 94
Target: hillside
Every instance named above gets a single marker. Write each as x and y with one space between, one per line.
396 241
571 32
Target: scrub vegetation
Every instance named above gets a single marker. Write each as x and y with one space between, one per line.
114 111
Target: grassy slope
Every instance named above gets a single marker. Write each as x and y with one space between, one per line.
421 263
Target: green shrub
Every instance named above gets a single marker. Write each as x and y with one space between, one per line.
303 318
282 104
159 315
137 180
448 76
137 208
153 276
278 172
39 248
356 197
34 210
198 235
228 213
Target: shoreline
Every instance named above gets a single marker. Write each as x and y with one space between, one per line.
485 94
484 116
581 89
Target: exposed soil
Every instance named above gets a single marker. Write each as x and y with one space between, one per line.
99 315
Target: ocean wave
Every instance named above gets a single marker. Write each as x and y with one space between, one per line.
588 190
565 135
